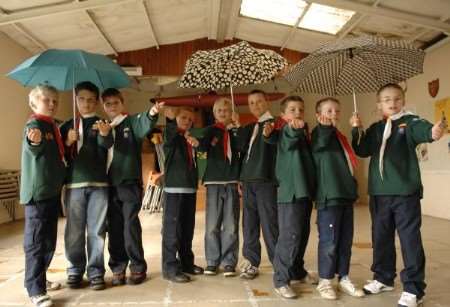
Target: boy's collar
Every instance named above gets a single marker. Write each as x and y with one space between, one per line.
89 115
265 116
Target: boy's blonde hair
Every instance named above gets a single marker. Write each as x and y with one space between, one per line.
40 90
221 102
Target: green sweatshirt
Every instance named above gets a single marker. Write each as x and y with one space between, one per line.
335 183
218 167
260 165
126 165
178 173
87 167
42 171
401 175
295 171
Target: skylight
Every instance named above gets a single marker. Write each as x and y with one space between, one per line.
318 17
325 18
279 11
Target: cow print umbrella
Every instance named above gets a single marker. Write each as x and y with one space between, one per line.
235 65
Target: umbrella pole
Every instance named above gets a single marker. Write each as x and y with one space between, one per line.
355 108
74 107
232 99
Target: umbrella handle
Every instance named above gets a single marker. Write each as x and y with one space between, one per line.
355 108
232 99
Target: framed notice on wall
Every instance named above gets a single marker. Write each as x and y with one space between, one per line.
441 109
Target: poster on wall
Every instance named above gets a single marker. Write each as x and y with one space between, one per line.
442 109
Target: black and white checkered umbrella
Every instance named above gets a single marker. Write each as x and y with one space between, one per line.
356 65
235 65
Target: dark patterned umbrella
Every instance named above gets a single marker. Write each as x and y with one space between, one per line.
238 64
356 65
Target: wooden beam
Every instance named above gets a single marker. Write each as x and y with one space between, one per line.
101 32
361 8
57 9
294 28
233 19
356 22
149 22
213 18
26 33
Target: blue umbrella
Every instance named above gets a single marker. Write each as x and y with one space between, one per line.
65 68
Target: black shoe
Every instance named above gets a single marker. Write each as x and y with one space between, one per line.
97 283
193 270
229 271
210 270
74 281
179 278
118 279
137 278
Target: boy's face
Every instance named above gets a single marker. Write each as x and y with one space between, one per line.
222 114
330 110
185 119
257 104
46 104
293 110
391 101
113 106
86 102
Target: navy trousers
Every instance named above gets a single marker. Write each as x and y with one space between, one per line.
124 229
401 213
291 218
335 225
259 212
41 225
178 232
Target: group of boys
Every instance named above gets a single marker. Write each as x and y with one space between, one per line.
279 165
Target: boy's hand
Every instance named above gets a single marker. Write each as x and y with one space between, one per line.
170 112
235 119
438 130
355 121
157 107
72 137
323 120
297 123
34 135
268 129
103 127
191 140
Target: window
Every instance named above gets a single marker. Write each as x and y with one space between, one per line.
318 17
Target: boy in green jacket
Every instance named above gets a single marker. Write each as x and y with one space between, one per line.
295 174
86 196
42 177
222 199
125 191
336 192
259 187
395 190
180 198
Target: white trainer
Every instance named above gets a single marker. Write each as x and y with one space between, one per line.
409 300
326 290
375 287
286 292
346 286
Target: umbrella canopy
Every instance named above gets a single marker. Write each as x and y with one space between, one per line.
63 69
356 65
238 64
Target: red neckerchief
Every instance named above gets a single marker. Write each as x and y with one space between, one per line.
58 137
279 123
190 158
348 149
226 136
